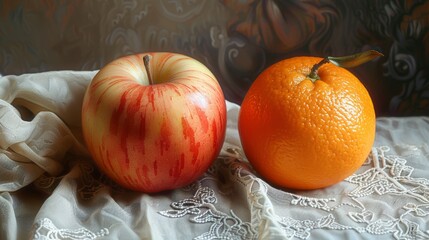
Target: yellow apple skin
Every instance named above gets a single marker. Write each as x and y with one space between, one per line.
154 137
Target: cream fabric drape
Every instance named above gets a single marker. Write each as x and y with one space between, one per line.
49 184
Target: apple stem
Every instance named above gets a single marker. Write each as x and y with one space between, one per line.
313 73
146 60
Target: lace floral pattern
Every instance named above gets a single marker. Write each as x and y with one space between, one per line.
223 225
385 175
356 209
46 230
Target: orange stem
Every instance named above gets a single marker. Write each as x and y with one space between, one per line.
313 73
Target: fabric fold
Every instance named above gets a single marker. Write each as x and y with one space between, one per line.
38 116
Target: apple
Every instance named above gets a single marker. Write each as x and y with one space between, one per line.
154 121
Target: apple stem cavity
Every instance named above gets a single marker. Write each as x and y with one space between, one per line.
146 61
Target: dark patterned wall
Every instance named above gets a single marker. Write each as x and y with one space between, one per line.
236 39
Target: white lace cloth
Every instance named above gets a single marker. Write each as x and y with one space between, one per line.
48 183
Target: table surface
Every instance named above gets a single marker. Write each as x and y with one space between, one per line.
48 183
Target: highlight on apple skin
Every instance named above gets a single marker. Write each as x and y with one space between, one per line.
154 129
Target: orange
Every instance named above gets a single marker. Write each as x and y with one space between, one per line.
303 133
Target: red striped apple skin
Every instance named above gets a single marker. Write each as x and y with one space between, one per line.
154 137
